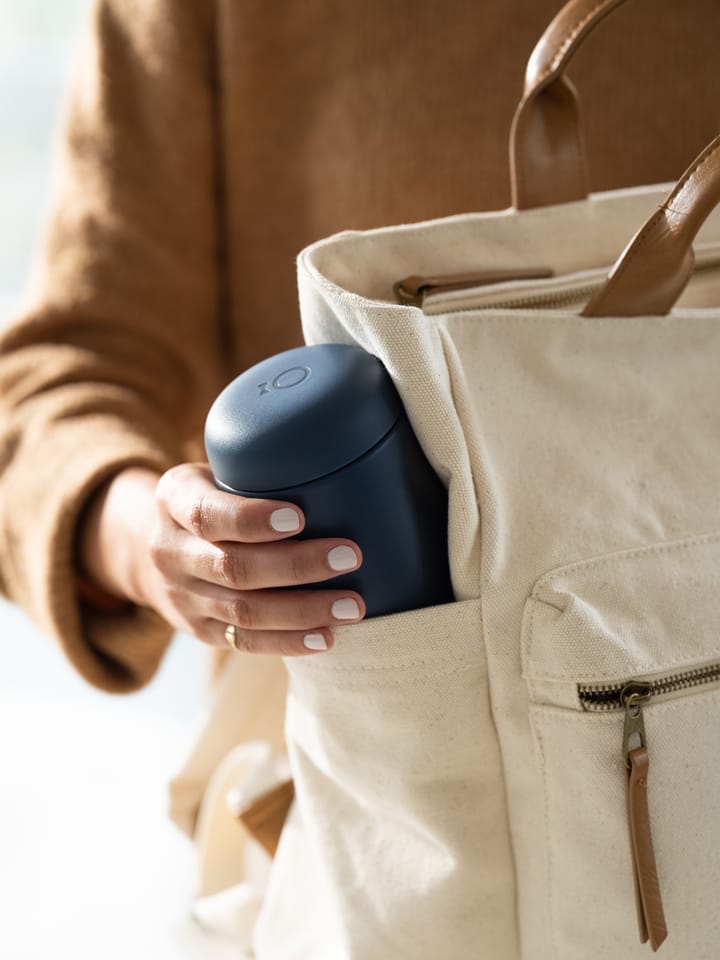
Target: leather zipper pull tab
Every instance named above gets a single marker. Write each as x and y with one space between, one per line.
650 906
651 915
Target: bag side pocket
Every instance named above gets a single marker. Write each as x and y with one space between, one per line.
399 787
622 657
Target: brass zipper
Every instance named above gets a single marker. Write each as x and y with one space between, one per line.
566 293
632 696
610 696
559 298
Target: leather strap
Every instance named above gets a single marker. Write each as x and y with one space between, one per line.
547 154
651 916
656 265
266 815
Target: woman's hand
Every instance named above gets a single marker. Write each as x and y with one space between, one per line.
204 559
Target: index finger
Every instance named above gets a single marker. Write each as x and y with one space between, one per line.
190 496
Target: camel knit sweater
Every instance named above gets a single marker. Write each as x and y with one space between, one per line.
205 142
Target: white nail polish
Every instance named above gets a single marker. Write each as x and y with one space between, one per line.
345 609
315 641
284 520
342 558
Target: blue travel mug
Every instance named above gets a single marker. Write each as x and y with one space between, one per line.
323 427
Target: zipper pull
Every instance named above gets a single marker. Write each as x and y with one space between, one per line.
648 899
632 696
412 290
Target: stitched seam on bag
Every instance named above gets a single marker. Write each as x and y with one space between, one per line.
402 663
509 315
595 676
567 716
429 670
652 549
449 354
681 703
465 619
548 845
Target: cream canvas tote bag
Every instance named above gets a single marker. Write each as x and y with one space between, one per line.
530 772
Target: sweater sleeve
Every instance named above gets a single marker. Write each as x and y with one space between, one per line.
115 356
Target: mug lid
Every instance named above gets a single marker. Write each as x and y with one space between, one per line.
298 416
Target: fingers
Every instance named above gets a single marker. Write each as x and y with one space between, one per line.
261 566
190 497
295 610
271 642
218 558
275 622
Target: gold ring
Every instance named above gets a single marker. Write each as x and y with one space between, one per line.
231 636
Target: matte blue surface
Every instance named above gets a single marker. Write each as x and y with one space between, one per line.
298 416
387 498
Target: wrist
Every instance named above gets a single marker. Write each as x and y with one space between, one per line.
113 538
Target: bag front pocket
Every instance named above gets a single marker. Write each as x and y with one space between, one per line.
622 659
400 789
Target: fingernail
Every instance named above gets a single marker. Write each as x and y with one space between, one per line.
315 641
284 520
342 558
345 609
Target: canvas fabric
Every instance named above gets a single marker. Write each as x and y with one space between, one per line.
453 798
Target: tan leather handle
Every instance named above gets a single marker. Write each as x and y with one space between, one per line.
655 267
547 154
